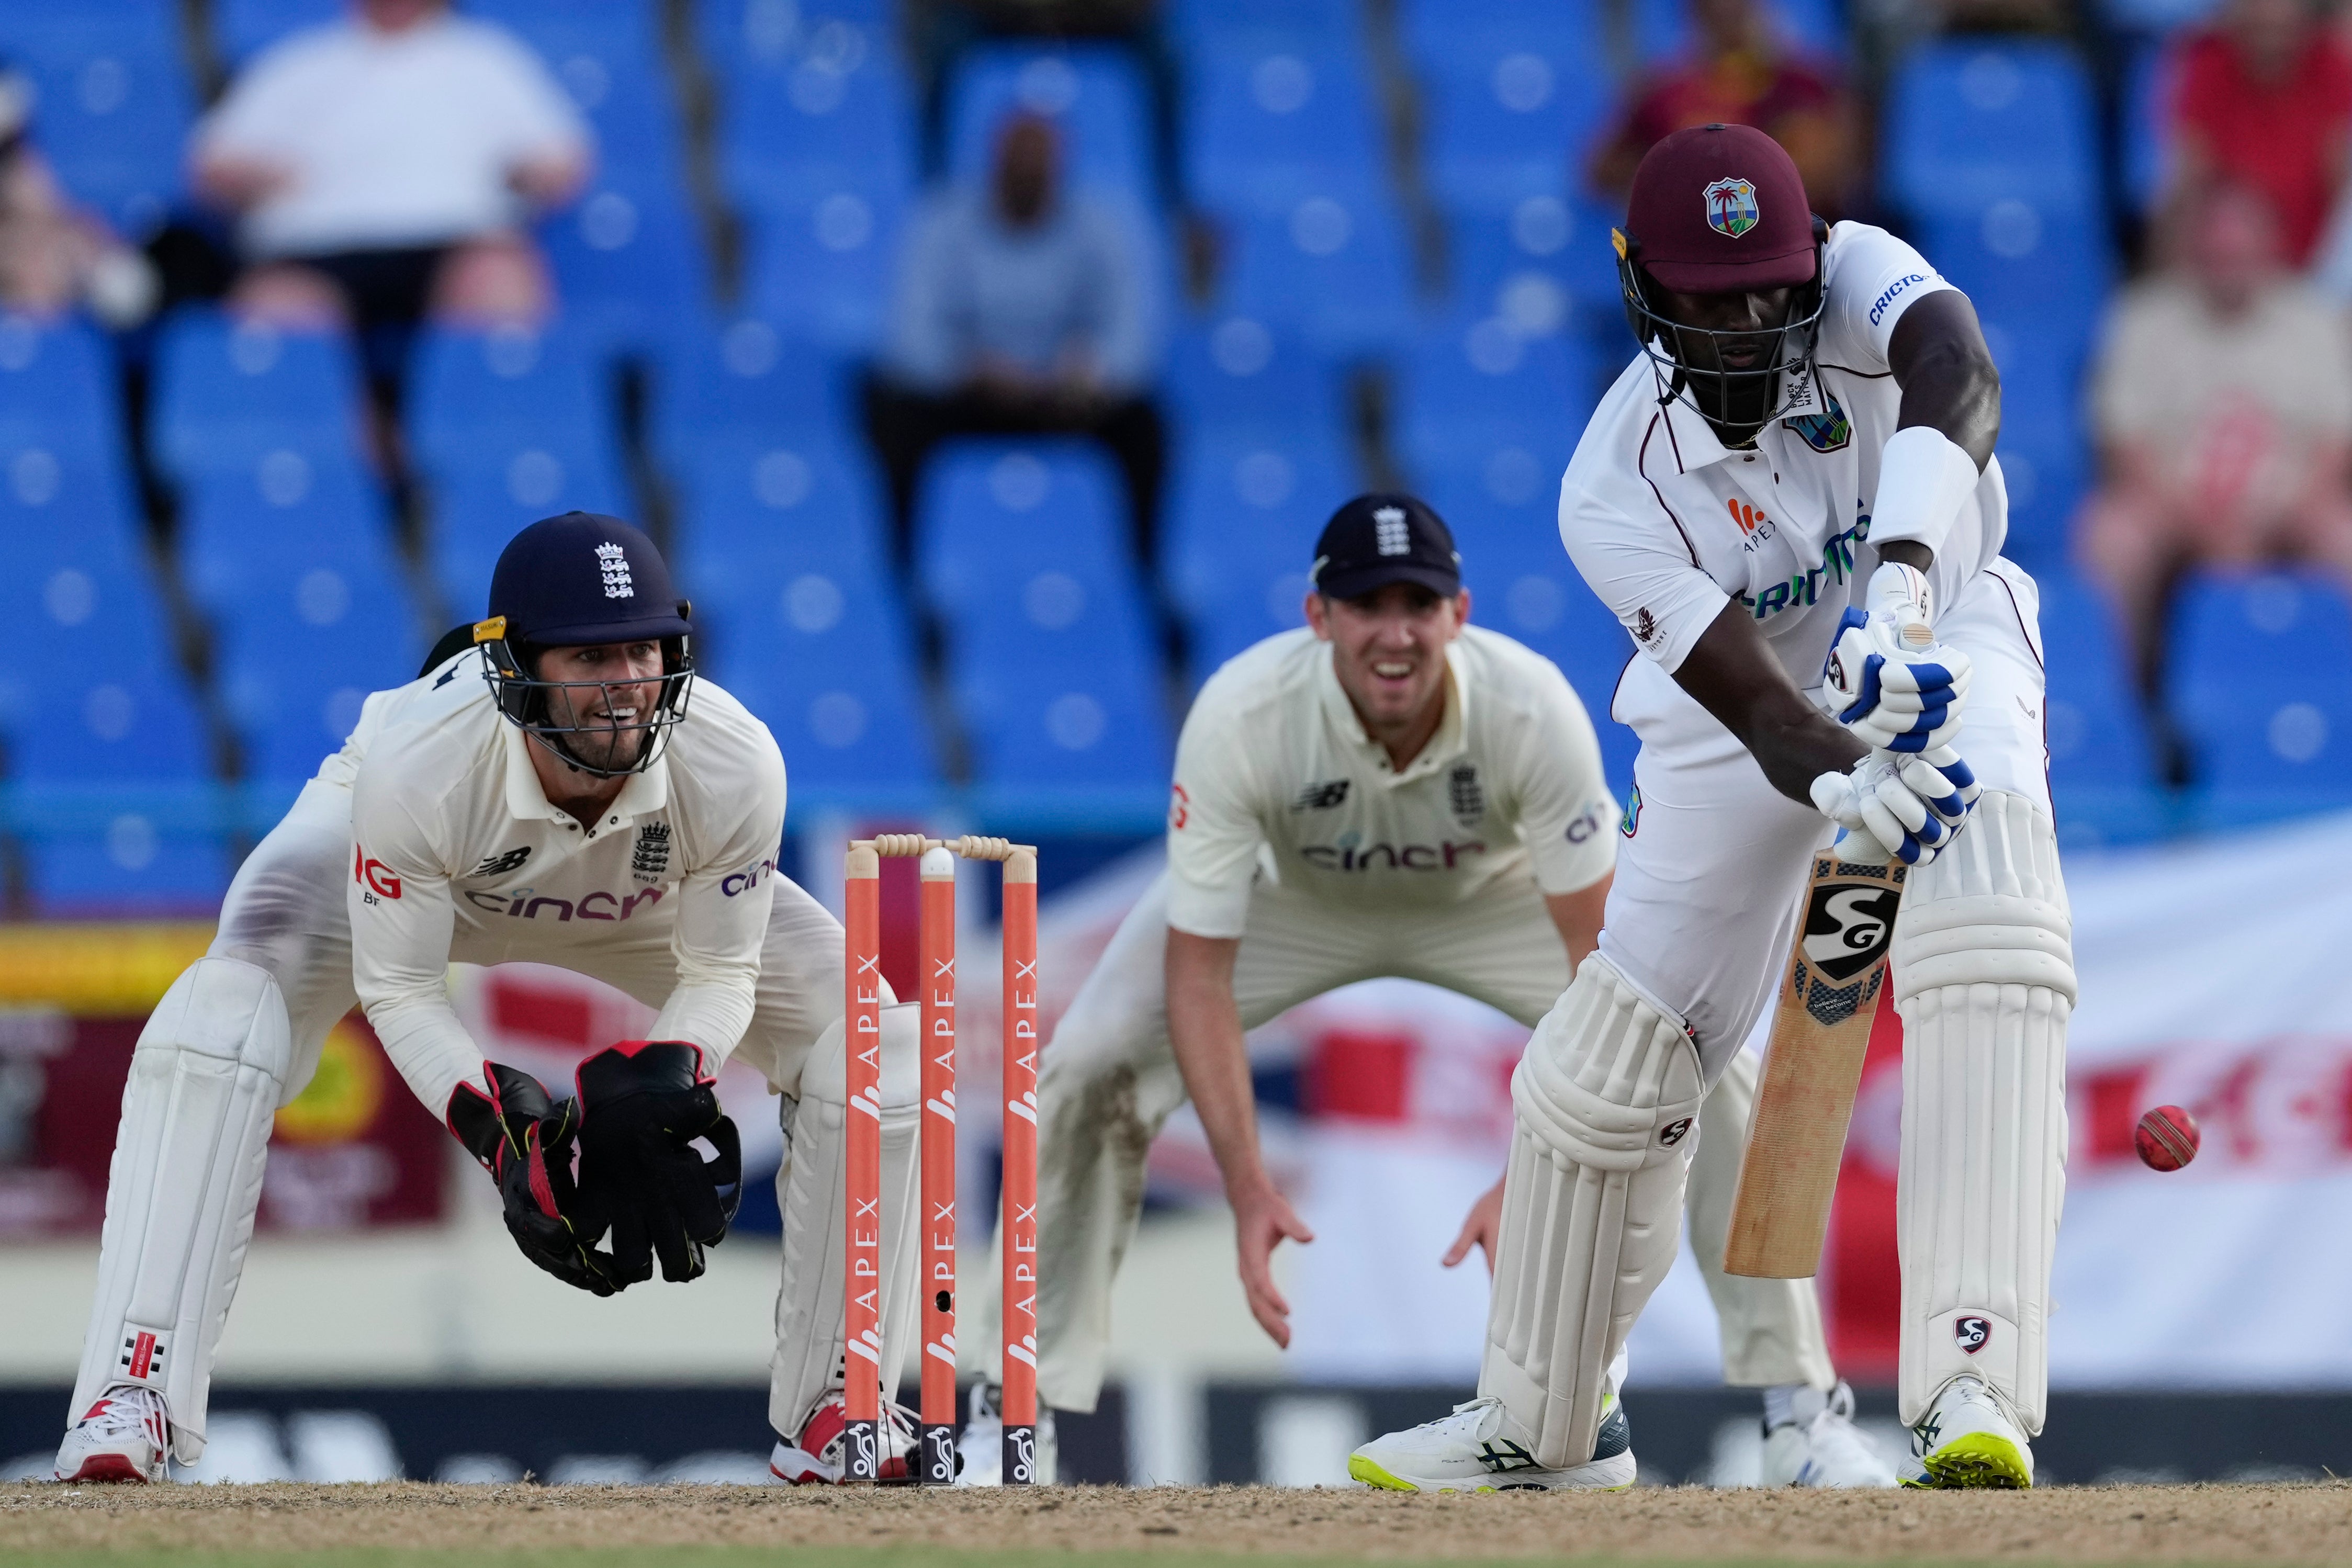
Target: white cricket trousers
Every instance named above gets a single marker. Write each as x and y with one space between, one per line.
1110 1079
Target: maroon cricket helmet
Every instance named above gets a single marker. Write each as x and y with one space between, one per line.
1719 209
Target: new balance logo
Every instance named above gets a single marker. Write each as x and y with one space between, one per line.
1505 1455
499 865
1321 797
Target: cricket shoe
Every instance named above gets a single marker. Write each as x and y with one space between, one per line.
981 1446
819 1454
1824 1449
1480 1448
1969 1440
126 1436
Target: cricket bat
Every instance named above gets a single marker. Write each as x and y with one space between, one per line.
1821 1030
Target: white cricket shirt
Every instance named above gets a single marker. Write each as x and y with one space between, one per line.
1275 776
1665 521
456 853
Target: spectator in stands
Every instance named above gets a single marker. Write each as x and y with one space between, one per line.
382 168
1020 310
1740 73
54 255
2264 98
2223 409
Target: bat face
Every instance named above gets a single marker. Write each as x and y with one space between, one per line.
1848 926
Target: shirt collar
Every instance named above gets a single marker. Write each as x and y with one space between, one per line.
1453 730
643 794
1695 444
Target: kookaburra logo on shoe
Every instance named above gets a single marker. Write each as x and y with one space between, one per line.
1972 1333
1505 1455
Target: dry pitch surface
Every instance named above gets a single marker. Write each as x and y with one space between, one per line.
410 1525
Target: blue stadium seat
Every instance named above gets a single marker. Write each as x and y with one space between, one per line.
742 382
992 514
1474 383
1973 122
765 35
1243 510
55 506
477 399
308 607
1513 115
1202 26
2045 451
1269 128
824 272
2257 683
2101 776
2148 77
2028 272
115 102
1050 711
1093 93
227 394
753 507
1334 266
476 508
1662 28
1543 262
609 57
242 29
628 260
832 116
58 391
1242 372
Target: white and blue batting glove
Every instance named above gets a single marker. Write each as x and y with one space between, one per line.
1894 807
1889 681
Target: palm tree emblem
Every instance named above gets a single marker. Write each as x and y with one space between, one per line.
1731 207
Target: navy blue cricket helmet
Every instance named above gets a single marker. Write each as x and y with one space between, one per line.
577 581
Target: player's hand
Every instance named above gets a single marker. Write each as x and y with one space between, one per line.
1890 682
643 1105
1898 807
1479 1228
1262 1218
524 1141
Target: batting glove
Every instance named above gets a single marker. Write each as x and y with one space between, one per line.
524 1141
1890 682
1893 806
643 1105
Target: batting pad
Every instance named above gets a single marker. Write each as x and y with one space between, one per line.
1984 977
1605 1106
812 1188
180 1194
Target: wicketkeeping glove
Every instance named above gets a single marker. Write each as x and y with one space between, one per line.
524 1141
1890 682
642 1105
1898 807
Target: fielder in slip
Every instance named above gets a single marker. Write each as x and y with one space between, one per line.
560 787
1390 791
1789 498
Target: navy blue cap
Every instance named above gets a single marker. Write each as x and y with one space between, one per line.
1380 538
582 579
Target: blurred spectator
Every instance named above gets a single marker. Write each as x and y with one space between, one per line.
383 167
2223 408
53 255
1022 309
2264 98
1740 73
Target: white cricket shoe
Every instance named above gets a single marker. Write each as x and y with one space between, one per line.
980 1445
125 1436
1825 1450
818 1455
1969 1440
1480 1448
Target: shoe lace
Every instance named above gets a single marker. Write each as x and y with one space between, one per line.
127 1413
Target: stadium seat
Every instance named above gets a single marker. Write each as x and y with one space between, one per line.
1202 26
992 514
829 114
479 397
1973 122
58 391
751 509
824 272
2029 273
742 382
1662 28
227 394
1093 93
476 508
1242 372
1334 266
242 29
1269 128
1243 510
1544 262
2044 453
628 260
54 506
2147 83
114 101
2101 776
2256 684
1511 115
1479 382
766 35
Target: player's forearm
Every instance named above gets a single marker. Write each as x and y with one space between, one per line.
712 1014
1204 1030
430 1048
1735 676
1948 379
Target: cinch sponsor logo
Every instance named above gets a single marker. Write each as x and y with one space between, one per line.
1389 857
374 877
744 880
526 903
1804 587
1595 820
1879 306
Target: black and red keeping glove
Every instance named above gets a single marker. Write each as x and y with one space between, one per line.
524 1141
643 1103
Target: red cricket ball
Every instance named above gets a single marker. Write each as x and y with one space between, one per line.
2166 1138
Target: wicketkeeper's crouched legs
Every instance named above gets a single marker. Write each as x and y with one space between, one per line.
1984 977
1771 1328
1605 1103
812 1188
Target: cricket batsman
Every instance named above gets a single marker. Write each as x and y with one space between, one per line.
557 787
1389 790
1790 499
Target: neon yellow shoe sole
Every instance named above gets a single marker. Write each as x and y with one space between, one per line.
1372 1474
1978 1461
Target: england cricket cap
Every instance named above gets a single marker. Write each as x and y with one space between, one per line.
1719 209
582 579
1377 540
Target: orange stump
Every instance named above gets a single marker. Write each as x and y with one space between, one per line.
936 956
1020 1168
862 1208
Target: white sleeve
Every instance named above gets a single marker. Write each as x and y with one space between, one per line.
1564 808
401 918
1874 277
534 115
722 924
1641 568
1213 833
